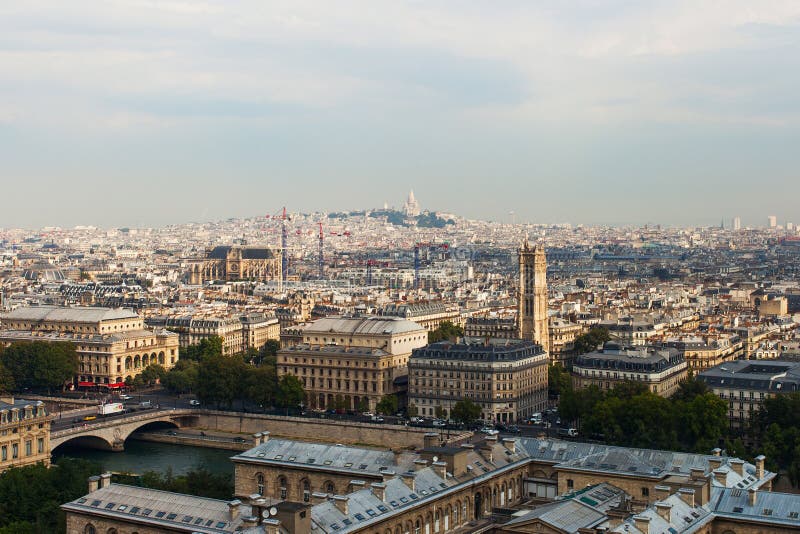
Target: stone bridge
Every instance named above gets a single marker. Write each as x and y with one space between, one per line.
110 434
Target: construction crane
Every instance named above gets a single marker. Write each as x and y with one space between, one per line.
417 246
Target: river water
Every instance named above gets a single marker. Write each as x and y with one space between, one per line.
141 456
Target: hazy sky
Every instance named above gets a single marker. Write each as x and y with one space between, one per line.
147 112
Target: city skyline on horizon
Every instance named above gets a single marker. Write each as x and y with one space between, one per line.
614 113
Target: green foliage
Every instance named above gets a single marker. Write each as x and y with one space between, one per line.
200 482
439 412
412 410
153 373
182 378
777 423
290 391
465 411
210 346
633 416
219 379
363 404
40 365
260 385
589 341
6 379
446 331
30 496
558 380
387 405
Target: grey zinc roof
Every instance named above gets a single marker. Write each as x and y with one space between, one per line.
771 507
362 326
66 314
145 505
583 509
683 518
322 455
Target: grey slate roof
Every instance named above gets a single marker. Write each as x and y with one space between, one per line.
165 509
66 314
362 326
773 507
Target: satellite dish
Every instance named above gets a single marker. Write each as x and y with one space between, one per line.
273 511
435 459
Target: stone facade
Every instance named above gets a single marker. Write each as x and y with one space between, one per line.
237 263
532 295
24 433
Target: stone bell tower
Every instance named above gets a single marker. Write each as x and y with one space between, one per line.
532 295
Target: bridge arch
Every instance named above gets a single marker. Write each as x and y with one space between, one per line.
86 441
111 434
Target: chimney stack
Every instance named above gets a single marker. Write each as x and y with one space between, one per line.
687 496
233 508
716 452
387 475
355 485
420 464
318 497
271 526
510 444
696 473
408 480
722 476
440 468
94 483
714 463
430 440
760 459
662 492
379 490
340 501
738 466
105 480
752 493
642 523
664 509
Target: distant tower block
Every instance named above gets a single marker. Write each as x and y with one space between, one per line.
532 295
772 221
737 223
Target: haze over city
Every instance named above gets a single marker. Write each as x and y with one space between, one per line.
149 113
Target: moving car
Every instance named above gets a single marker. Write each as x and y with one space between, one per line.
125 397
194 402
489 431
90 418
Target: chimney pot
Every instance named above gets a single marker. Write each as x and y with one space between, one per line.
664 509
760 459
716 452
233 508
340 501
642 523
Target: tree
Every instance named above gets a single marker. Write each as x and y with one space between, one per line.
363 404
260 384
412 410
446 331
558 380
6 380
219 379
387 405
439 412
465 411
210 346
290 391
182 378
40 365
592 339
153 373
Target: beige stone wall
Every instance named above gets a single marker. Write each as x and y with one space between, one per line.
21 434
304 429
76 524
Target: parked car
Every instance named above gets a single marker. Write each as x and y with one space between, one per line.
194 402
513 429
125 397
90 418
568 432
489 431
377 419
438 423
368 414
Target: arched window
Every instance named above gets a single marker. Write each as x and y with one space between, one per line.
417 527
282 487
260 483
306 490
111 531
89 529
330 488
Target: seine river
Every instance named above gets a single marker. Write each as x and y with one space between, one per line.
141 456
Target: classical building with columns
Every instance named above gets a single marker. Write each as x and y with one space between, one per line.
230 263
112 343
351 362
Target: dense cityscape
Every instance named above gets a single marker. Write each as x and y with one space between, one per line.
399 267
400 370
